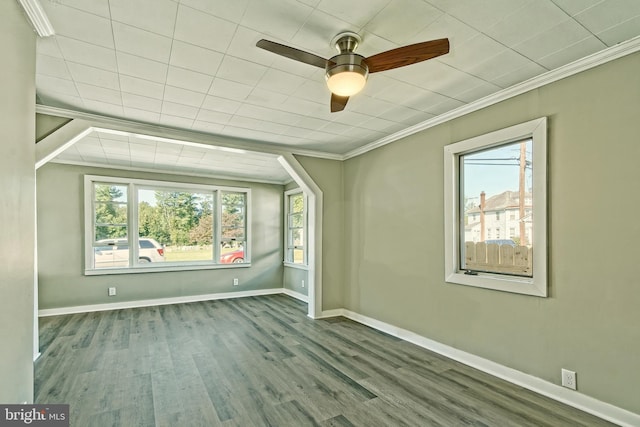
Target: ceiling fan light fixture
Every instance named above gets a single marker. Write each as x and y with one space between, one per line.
346 74
346 83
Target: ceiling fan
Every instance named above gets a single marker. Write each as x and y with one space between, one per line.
347 72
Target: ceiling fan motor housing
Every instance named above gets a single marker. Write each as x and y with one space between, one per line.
347 62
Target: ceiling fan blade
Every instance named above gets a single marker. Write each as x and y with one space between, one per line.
407 55
292 53
338 102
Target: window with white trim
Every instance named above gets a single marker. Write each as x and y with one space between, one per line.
295 227
134 225
498 172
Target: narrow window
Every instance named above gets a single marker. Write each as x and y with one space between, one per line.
234 226
296 227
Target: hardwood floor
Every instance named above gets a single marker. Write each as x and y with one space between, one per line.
260 361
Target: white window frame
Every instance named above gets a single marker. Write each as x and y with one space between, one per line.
132 221
289 262
536 285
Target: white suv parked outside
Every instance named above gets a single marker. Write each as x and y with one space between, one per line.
115 252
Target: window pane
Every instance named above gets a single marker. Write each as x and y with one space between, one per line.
297 237
296 203
497 194
296 220
110 231
110 211
174 225
233 216
298 256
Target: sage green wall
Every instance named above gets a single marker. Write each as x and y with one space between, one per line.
293 278
46 124
17 201
590 321
61 237
327 174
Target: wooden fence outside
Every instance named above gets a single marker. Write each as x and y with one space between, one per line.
499 258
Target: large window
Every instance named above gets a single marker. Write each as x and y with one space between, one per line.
136 225
296 228
497 182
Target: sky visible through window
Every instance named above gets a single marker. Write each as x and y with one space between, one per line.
495 170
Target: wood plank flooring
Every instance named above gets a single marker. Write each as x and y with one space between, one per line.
260 361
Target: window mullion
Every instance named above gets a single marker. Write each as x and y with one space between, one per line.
132 213
305 228
217 234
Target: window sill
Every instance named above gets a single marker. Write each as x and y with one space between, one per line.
498 282
298 266
159 269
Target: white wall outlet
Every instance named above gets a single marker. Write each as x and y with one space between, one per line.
569 379
303 283
112 292
235 282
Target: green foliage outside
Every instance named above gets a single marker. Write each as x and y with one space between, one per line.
296 209
233 216
110 211
178 218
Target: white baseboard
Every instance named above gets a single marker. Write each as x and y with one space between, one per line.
156 301
296 295
572 398
331 313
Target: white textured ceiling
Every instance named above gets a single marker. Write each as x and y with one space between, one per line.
193 64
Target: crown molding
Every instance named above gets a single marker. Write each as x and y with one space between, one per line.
37 17
602 57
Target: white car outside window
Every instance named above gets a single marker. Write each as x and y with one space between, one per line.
111 253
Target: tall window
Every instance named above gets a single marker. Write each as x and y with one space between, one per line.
296 227
134 225
234 227
496 172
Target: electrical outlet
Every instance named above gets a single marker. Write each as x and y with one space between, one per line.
303 283
569 379
235 282
112 292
